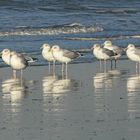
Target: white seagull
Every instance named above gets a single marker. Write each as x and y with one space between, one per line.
15 60
117 50
133 54
47 55
63 55
102 54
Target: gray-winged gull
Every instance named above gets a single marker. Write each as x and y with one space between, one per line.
63 55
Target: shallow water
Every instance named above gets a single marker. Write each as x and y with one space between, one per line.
97 105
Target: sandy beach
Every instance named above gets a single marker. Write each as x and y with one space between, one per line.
88 105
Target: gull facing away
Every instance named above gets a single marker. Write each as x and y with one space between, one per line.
64 56
102 54
117 50
133 54
47 55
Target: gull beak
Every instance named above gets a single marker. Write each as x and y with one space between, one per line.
102 45
92 48
125 49
41 47
0 54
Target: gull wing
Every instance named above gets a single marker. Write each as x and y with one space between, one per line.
28 58
137 52
118 50
108 52
70 54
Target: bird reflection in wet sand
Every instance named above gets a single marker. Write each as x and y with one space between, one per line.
133 84
104 81
133 95
16 88
58 84
47 83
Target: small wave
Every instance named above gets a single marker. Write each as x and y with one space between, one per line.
103 38
117 11
52 30
74 24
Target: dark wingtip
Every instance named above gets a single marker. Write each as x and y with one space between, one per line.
78 54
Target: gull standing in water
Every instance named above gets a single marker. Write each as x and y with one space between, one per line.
117 50
133 54
64 56
47 55
102 54
15 60
96 53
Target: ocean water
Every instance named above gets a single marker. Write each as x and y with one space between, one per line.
75 24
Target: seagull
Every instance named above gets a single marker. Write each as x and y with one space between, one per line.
63 55
21 62
17 62
6 56
47 55
102 54
117 50
133 54
96 52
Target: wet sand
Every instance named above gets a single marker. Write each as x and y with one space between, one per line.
89 105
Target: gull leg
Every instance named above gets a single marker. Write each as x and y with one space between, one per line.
111 64
62 69
136 67
53 67
104 65
21 74
21 77
14 74
100 65
66 70
115 63
49 67
139 67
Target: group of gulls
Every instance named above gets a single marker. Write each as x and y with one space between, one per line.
54 53
107 52
19 61
112 52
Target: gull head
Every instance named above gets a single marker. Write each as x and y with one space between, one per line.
55 48
5 52
95 46
45 46
131 47
107 43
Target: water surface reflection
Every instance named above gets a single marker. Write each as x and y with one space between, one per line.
58 84
22 109
14 88
55 89
133 93
104 81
